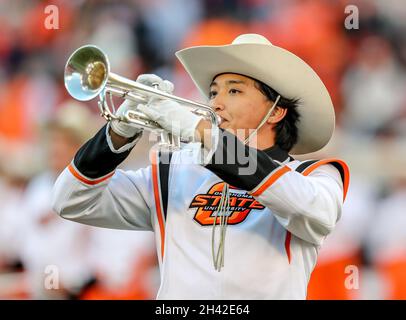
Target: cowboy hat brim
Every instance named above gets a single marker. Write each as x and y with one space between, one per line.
278 68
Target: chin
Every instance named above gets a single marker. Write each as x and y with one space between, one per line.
224 125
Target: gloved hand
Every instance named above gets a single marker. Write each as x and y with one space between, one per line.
127 130
172 117
152 79
122 128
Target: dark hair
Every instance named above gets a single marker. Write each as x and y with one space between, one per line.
286 131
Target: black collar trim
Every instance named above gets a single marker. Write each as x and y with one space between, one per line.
276 153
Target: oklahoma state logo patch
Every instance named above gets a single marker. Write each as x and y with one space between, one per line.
241 205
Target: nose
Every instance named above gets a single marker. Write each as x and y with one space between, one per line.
216 104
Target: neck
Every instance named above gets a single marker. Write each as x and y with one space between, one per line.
263 139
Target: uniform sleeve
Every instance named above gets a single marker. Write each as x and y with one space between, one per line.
307 204
91 191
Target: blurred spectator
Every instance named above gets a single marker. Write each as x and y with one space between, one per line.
26 99
343 249
125 265
44 233
387 240
112 33
314 31
374 88
159 29
15 173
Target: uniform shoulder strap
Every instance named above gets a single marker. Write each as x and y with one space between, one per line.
164 165
304 165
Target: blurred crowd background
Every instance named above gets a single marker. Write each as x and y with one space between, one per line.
45 257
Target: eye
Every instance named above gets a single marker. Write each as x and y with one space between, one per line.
234 91
212 94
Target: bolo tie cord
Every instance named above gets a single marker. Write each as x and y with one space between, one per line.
223 210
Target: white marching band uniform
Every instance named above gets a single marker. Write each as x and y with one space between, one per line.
279 216
280 212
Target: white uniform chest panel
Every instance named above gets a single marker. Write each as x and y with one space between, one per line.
194 194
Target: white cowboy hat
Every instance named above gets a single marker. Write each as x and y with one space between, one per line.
254 56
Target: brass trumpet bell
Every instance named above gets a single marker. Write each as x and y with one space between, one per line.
86 73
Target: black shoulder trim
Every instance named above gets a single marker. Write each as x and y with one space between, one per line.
340 165
304 165
164 166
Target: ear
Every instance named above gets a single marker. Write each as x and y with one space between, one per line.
277 115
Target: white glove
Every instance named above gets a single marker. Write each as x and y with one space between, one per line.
153 79
127 130
172 117
122 128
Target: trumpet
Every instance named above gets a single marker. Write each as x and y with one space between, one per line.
87 75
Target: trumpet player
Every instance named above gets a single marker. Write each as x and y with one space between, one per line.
224 228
